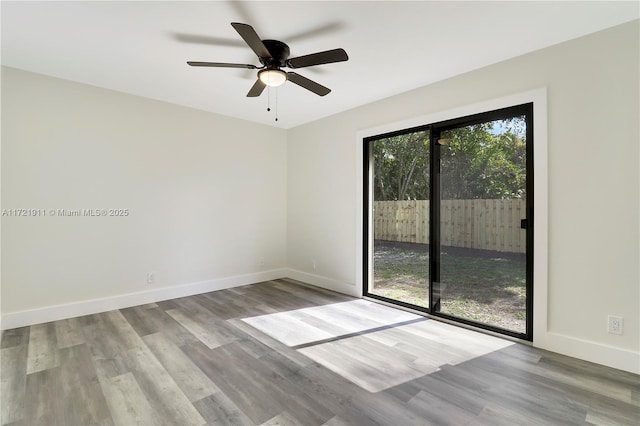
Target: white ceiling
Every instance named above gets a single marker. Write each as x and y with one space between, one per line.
141 47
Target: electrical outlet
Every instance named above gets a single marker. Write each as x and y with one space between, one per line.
151 277
261 262
313 264
615 324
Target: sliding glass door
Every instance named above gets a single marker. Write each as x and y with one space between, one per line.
448 219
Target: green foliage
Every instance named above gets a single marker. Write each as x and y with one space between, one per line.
486 160
401 167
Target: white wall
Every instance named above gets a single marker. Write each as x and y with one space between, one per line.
593 194
206 196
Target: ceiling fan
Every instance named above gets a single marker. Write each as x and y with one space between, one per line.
274 55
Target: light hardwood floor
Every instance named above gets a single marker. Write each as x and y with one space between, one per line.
280 353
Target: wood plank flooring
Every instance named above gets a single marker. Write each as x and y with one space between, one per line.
282 353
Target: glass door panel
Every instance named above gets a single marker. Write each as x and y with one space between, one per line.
482 273
400 193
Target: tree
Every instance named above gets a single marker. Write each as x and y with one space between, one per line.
486 160
401 167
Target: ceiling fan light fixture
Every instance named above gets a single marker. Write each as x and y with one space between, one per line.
272 77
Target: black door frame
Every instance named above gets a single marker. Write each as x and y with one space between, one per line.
435 130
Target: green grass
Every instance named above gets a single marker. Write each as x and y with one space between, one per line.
486 289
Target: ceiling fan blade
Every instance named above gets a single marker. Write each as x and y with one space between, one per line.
256 89
310 85
326 57
221 65
251 38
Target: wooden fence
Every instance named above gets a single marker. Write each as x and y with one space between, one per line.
481 224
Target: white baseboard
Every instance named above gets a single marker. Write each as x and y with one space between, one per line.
88 307
324 282
611 356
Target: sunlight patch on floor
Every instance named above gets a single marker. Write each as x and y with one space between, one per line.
374 346
318 323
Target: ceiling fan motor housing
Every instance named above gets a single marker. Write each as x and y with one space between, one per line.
279 54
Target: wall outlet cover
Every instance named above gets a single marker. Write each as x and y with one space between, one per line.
614 324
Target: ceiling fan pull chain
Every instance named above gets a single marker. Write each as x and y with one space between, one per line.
268 98
276 104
